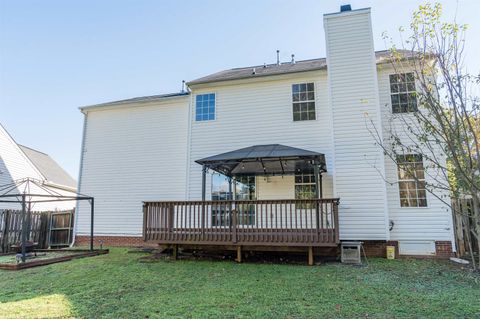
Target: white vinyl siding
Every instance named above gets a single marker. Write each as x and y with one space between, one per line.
410 223
131 155
354 95
14 165
260 113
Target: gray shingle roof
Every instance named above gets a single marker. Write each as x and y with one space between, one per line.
48 167
138 99
283 68
247 73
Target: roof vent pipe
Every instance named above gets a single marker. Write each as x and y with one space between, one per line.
293 58
278 57
183 86
345 7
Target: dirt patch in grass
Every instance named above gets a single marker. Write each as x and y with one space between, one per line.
44 257
11 259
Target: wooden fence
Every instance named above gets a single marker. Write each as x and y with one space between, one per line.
465 241
39 228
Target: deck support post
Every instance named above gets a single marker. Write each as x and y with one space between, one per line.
310 256
175 252
239 254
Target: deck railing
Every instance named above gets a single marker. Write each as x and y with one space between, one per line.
243 222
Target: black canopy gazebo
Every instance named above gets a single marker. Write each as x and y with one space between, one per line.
265 160
30 191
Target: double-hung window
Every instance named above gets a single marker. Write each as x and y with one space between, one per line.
411 181
303 99
403 93
205 107
305 188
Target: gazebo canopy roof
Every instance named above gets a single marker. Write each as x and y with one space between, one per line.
271 159
37 191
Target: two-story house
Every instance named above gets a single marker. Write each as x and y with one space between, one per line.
277 155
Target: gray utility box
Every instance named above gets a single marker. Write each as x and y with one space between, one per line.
351 252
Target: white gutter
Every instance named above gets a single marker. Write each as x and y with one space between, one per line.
130 102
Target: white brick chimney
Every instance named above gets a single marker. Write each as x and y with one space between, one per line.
354 101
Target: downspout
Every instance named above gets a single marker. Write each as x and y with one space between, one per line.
79 183
188 150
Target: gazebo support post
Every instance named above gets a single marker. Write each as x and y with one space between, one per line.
204 191
24 228
29 219
204 181
230 197
92 212
318 177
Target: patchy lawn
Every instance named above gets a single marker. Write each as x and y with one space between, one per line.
118 286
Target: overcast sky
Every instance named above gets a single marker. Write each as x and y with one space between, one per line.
58 55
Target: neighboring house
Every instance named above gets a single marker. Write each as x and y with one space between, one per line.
20 162
295 130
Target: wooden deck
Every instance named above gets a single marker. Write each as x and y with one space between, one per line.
278 223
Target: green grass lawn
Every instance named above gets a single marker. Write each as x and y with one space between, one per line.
118 286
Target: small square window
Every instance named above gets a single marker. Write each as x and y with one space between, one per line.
205 107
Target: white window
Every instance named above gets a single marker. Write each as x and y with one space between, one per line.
403 93
411 181
305 188
205 107
303 97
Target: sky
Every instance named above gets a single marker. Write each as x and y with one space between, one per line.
56 56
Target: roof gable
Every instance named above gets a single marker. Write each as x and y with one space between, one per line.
50 169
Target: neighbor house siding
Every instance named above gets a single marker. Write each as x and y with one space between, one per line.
260 113
15 165
358 162
132 154
433 222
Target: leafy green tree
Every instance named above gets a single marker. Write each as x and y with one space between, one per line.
444 127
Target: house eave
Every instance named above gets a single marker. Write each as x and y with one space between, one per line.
131 102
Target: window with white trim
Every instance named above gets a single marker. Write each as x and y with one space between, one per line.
403 93
205 107
411 181
305 188
303 99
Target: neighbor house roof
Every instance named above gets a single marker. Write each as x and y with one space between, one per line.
283 68
48 167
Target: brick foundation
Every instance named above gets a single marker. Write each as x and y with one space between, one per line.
118 241
378 248
373 248
443 249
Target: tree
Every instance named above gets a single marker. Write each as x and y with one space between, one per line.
440 120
